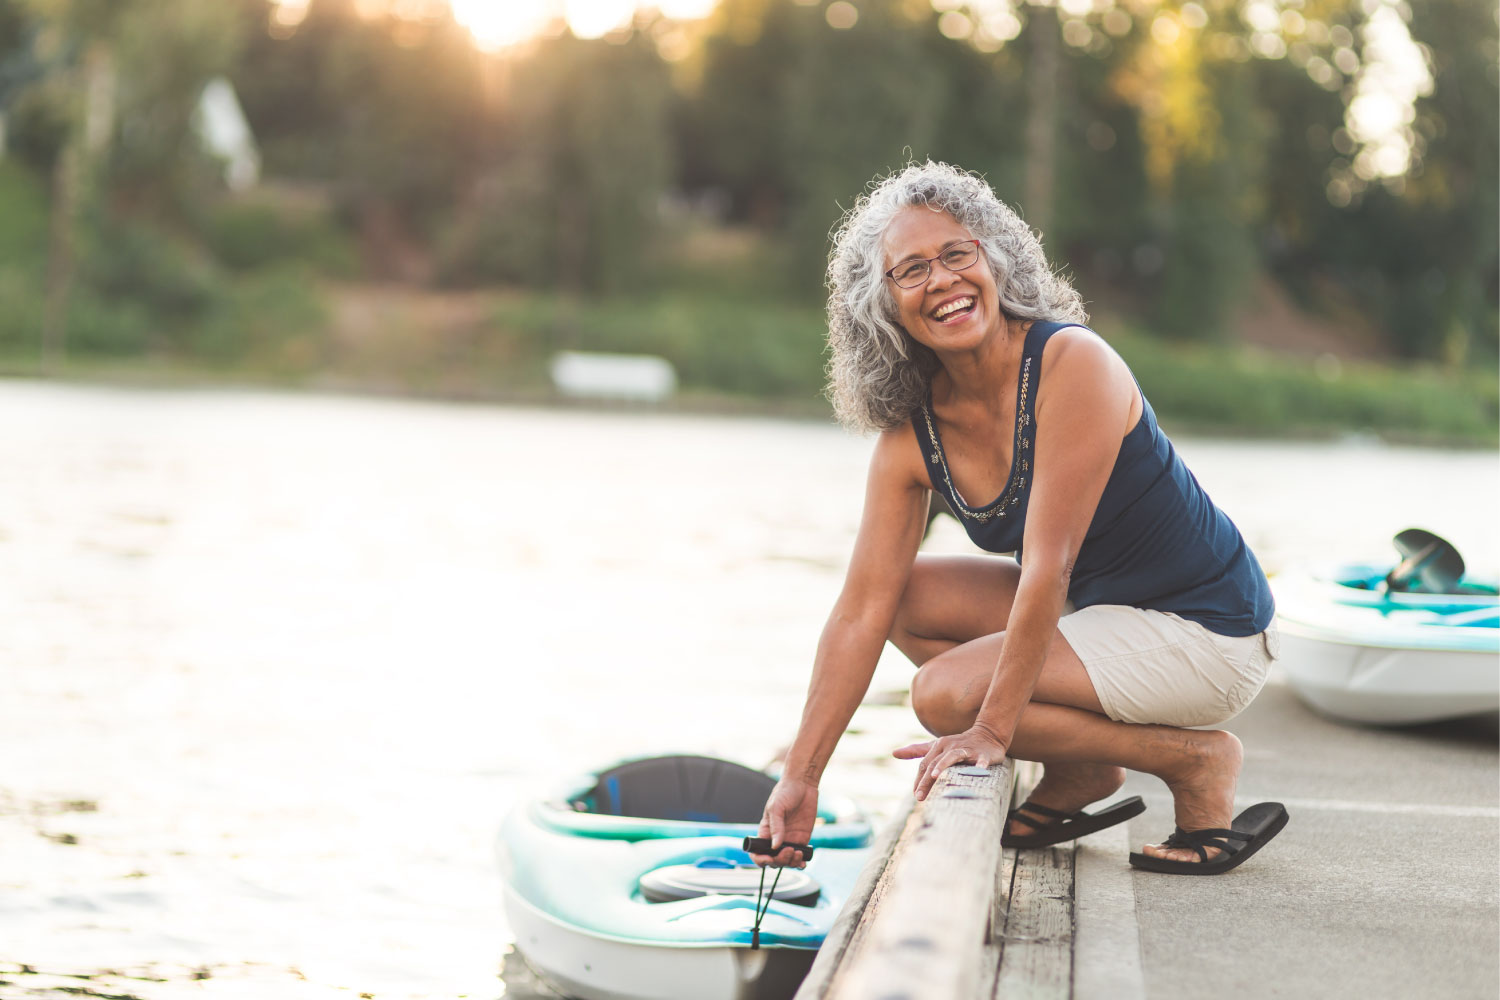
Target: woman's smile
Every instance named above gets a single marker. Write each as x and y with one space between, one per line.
954 309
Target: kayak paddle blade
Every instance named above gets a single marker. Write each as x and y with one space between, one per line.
1429 564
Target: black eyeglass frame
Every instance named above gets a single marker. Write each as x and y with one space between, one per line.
929 261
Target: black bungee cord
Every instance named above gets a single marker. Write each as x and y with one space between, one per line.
762 845
760 913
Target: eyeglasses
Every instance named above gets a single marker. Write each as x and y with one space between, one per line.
911 273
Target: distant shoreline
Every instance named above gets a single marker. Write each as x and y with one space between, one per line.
692 402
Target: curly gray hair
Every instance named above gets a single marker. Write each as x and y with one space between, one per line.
878 374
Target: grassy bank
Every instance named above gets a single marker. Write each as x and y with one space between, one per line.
740 348
732 352
1240 390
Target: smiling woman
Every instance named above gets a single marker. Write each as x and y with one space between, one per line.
1139 613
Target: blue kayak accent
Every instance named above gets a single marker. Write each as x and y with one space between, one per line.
1351 605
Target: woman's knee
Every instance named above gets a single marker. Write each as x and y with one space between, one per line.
939 699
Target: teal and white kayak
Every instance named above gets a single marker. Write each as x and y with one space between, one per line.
630 884
1356 650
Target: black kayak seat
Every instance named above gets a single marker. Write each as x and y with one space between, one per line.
682 787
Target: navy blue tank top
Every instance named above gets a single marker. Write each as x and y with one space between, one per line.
1156 541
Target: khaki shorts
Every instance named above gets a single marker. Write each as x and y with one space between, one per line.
1156 667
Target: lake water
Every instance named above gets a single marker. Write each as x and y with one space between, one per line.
275 666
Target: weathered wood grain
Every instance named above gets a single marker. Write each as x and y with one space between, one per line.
994 947
1036 962
841 941
926 933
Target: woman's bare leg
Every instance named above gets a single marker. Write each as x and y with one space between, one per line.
953 600
1064 726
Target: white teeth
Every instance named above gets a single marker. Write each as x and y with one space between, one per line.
953 307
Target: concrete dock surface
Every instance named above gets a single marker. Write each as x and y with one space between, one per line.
1383 884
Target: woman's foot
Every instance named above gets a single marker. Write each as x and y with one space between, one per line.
1068 788
1202 781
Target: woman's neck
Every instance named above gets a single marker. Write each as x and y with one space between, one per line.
971 377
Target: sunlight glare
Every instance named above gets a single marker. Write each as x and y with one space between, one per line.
686 9
1394 75
497 25
594 18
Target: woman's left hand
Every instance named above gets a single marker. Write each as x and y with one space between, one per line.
977 745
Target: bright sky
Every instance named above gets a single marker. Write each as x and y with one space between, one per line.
498 23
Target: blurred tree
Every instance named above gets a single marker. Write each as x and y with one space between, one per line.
1170 149
574 198
800 105
1202 156
1428 260
162 53
388 111
111 117
1416 251
76 88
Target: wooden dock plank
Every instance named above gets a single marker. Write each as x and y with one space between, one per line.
994 947
926 933
1036 962
848 932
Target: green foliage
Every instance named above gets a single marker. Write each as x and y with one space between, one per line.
21 319
715 343
509 235
573 201
23 256
793 118
725 344
23 206
1183 165
389 115
1211 253
131 262
246 234
273 320
140 290
145 291
1217 388
103 326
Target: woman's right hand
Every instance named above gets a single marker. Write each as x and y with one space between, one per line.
790 814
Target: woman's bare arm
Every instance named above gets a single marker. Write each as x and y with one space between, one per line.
890 531
1082 416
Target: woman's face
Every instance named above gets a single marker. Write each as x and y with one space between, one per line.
951 310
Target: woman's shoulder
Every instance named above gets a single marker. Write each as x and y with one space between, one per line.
1080 349
1080 367
899 440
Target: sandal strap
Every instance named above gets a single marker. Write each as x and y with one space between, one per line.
1042 811
1200 840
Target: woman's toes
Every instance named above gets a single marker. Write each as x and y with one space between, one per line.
1177 853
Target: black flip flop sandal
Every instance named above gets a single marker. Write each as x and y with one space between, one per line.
1066 825
1250 831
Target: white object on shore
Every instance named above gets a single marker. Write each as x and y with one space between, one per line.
224 132
636 377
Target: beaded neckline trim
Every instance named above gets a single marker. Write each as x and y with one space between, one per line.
1015 486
